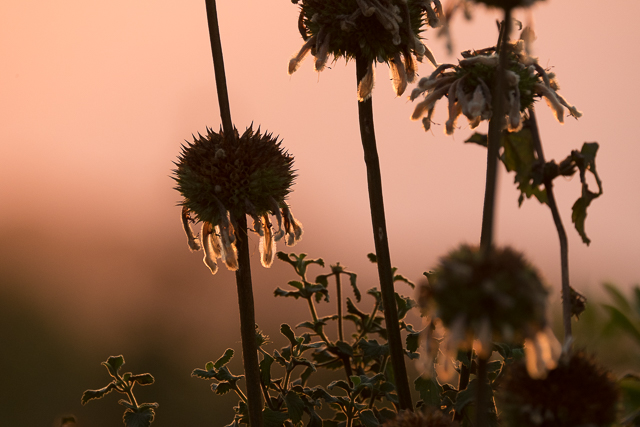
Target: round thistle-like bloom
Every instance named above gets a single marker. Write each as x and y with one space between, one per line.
223 177
469 88
374 30
576 393
429 417
491 296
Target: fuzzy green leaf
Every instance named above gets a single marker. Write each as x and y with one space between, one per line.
429 389
373 349
226 357
295 406
478 138
143 379
143 417
265 369
273 418
221 388
585 161
97 394
113 365
340 384
287 332
368 418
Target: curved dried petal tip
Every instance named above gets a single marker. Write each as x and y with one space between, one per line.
365 86
275 210
293 228
267 244
210 254
323 54
542 353
295 62
429 346
483 344
552 100
449 348
398 75
228 251
194 242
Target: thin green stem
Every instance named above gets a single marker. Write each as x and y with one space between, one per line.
532 124
339 298
314 315
243 274
218 65
496 126
376 202
248 324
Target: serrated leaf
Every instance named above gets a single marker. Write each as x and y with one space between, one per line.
265 369
413 341
226 357
288 333
371 348
352 280
340 384
368 418
113 365
585 161
295 406
429 389
282 293
273 418
141 418
344 348
468 395
143 379
404 305
221 388
127 404
97 394
478 138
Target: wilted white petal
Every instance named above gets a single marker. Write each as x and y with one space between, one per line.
209 254
572 110
323 53
295 62
365 86
398 74
267 244
192 240
489 60
229 253
429 101
292 227
552 100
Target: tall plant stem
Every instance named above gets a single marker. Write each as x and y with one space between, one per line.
374 180
532 124
243 274
496 126
339 298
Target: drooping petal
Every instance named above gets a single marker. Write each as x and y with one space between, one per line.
323 53
267 244
365 86
209 254
398 74
295 62
429 101
275 211
194 243
484 345
229 253
454 108
552 101
292 227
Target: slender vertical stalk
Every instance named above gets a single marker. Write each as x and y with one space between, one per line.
339 298
218 66
496 126
374 180
532 124
243 274
248 324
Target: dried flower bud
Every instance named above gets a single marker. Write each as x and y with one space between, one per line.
223 177
576 393
384 31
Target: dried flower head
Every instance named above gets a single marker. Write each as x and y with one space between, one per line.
576 393
428 417
469 88
491 296
223 177
376 30
507 4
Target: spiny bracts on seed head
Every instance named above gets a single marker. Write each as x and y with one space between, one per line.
469 87
223 177
488 296
507 4
374 30
577 392
428 417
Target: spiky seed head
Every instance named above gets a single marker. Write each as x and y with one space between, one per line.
493 291
577 392
507 4
234 172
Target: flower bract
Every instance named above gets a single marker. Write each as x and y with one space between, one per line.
222 177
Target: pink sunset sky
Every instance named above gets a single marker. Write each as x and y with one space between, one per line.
97 97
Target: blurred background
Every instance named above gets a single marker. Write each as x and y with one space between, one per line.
95 101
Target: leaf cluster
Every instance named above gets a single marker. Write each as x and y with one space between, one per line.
136 415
